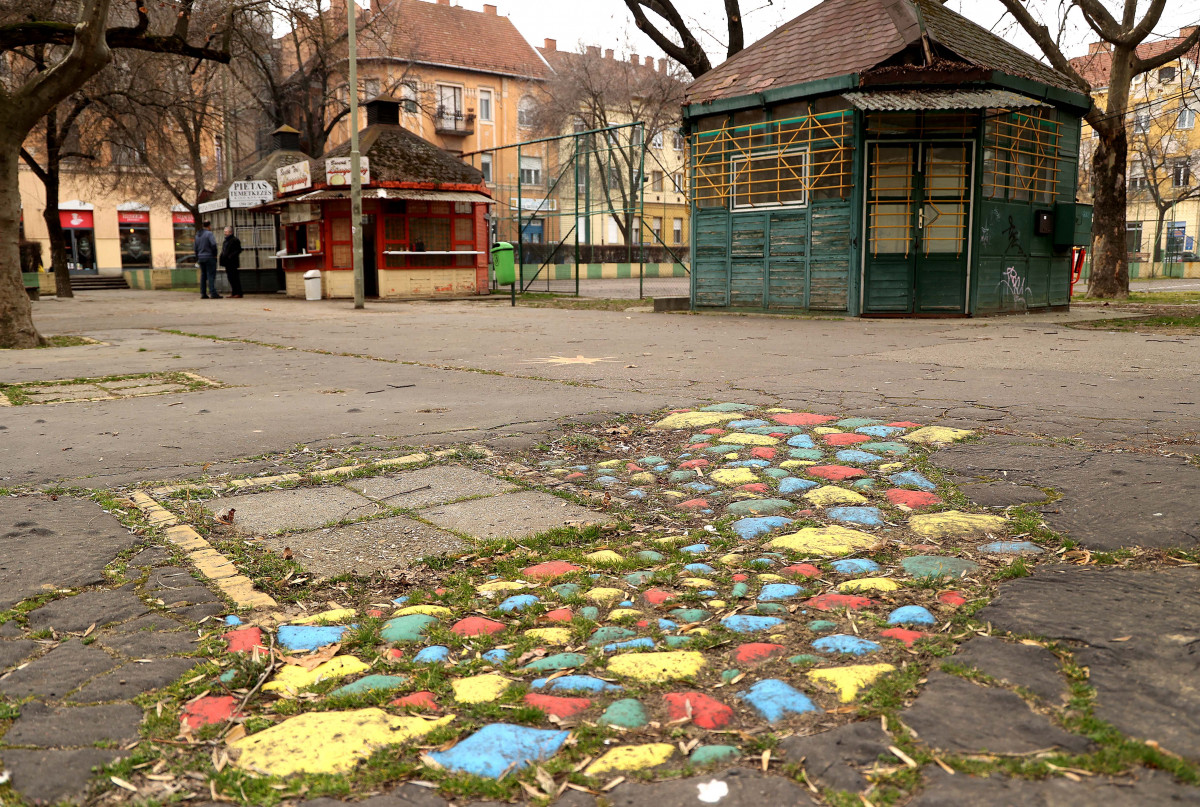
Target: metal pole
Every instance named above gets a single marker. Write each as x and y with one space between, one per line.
575 208
520 226
355 161
641 197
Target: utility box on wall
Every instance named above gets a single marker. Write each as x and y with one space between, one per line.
1072 225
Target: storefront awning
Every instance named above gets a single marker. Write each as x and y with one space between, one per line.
383 193
909 100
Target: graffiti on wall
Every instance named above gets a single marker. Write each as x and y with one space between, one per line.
1013 289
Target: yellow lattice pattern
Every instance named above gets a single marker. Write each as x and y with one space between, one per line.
783 162
1020 159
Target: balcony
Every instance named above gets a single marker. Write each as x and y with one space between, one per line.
449 122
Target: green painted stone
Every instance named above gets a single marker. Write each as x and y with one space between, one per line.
821 625
714 754
590 612
770 608
776 473
804 658
804 454
638 578
559 661
407 628
677 641
857 423
890 448
740 590
686 615
371 683
566 590
700 438
610 633
865 484
937 566
228 676
729 675
759 507
652 461
681 476
727 407
628 713
650 555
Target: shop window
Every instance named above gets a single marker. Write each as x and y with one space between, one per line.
341 247
1020 158
184 232
135 239
770 180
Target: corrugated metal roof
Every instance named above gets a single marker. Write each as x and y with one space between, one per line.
385 193
940 99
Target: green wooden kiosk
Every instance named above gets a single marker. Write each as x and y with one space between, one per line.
884 158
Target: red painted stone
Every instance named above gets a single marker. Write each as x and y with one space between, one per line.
657 596
834 473
243 640
697 446
575 477
740 577
801 419
557 615
778 434
801 570
952 598
903 634
549 570
832 600
757 652
558 706
764 452
693 464
717 432
439 591
754 487
633 467
476 626
805 512
706 712
209 709
374 612
912 498
419 700
845 439
693 504
395 654
905 424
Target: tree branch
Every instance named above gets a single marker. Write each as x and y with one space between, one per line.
1144 65
689 54
733 16
37 169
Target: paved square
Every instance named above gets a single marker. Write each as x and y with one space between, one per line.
437 484
512 515
372 546
297 509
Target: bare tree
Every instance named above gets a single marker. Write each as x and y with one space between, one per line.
676 37
1110 260
79 37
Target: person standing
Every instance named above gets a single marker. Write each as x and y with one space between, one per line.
206 256
231 259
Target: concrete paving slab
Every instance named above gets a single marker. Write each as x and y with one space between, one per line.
150 644
371 546
48 776
99 607
58 672
296 509
133 679
1144 787
1034 668
14 652
733 786
515 515
437 484
833 758
74 726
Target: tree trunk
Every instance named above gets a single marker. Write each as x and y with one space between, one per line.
58 240
16 313
1158 253
1110 258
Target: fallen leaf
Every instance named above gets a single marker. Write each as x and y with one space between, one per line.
119 782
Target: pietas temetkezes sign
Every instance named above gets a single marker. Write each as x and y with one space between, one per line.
250 193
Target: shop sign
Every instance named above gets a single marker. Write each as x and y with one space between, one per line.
300 213
215 204
75 219
535 204
250 193
182 218
133 218
294 177
337 171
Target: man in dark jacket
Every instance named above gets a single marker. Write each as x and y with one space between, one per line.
231 252
206 256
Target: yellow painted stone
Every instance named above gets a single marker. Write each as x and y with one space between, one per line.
831 540
734 476
954 524
789 464
609 464
656 667
624 613
936 434
770 578
604 556
827 495
777 637
428 610
717 603
777 411
560 472
500 585
730 560
669 540
869 584
605 595
743 494
631 758
699 631
335 615
480 688
888 467
293 678
326 742
692 420
550 635
827 430
850 680
731 456
696 582
674 494
738 439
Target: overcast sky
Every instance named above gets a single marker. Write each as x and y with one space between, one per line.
607 23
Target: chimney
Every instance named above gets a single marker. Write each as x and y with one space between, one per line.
592 50
608 54
1187 31
1098 47
550 45
337 9
649 62
285 138
662 66
635 60
384 110
443 2
489 9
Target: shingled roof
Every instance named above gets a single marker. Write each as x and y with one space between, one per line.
844 37
398 155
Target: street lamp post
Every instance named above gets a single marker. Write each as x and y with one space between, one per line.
356 213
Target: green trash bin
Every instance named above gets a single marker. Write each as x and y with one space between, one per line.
502 263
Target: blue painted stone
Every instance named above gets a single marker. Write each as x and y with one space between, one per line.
594 576
708 592
559 661
742 623
310 637
681 476
579 467
911 615
889 448
773 592
794 485
854 456
517 602
400 600
232 620
676 641
912 479
845 643
497 656
667 625
821 625
684 456
228 676
937 566
652 460
770 608
776 473
879 431
739 590
694 549
699 487
371 683
727 407
854 423
750 528
636 493
629 644
566 590
801 441
432 654
773 430
1012 548
854 566
699 568
748 464
575 683
627 713
661 468
689 615
610 633
804 659
650 555
774 700
865 516
498 748
775 555
408 628
766 507
607 481
626 603
747 424
638 578
865 484
805 454
714 754
590 612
